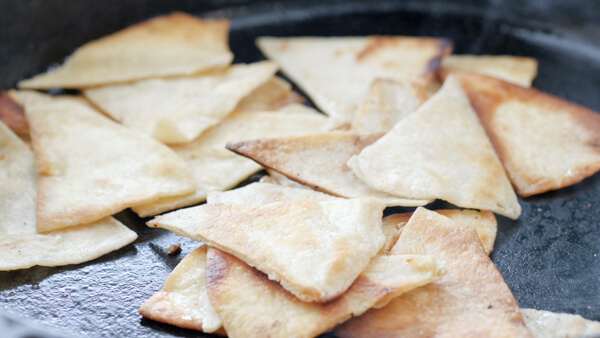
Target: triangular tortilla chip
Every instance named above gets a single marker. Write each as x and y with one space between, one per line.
217 169
256 194
471 299
441 151
544 142
337 71
272 95
183 300
319 161
174 44
177 110
253 306
483 222
91 167
514 69
544 324
21 246
314 249
386 103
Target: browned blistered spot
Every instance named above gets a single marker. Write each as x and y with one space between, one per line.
2 157
12 114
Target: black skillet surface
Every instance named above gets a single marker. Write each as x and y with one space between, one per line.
549 257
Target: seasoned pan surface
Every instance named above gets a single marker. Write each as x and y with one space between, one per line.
549 257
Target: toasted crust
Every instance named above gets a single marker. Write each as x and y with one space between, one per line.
544 142
217 169
314 249
386 103
174 44
461 304
177 110
514 69
439 152
253 306
21 246
91 167
336 72
484 222
12 114
319 161
183 300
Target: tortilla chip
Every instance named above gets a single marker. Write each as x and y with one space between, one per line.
12 114
545 324
91 167
272 95
183 300
386 103
319 161
257 194
514 69
217 169
314 249
483 222
253 306
544 142
174 44
177 110
470 300
336 71
21 246
441 151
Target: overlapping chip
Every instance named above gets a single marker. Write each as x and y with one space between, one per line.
183 300
439 152
483 222
386 103
544 142
337 71
217 169
471 299
21 246
177 110
314 249
91 167
319 161
251 305
174 44
514 69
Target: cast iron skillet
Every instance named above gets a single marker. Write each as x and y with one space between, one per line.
549 257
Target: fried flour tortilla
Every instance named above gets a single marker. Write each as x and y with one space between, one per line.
91 167
336 71
174 44
544 142
21 246
314 249
470 300
439 152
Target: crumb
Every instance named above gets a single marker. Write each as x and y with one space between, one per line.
589 205
174 249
